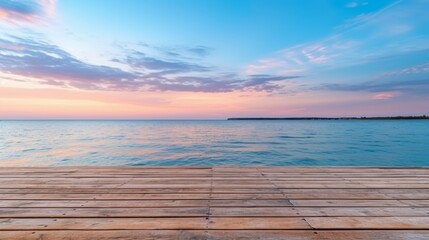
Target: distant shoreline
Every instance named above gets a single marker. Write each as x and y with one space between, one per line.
424 117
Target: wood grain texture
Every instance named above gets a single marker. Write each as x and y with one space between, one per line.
216 235
80 203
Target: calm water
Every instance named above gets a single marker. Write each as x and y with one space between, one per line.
139 143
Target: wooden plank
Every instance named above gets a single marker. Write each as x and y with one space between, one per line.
343 176
104 203
215 235
113 170
329 181
318 235
98 175
103 212
338 180
356 196
358 203
103 235
247 196
100 186
214 211
88 196
369 222
347 173
114 179
105 224
79 190
105 181
143 196
416 203
337 196
350 190
144 203
352 185
237 196
258 223
319 211
333 169
249 203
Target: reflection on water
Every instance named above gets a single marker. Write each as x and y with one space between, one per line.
137 143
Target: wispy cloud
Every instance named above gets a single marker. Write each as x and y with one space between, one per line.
220 83
421 68
352 4
414 87
343 48
264 65
201 51
383 38
356 4
27 11
52 65
49 64
385 95
140 60
398 29
176 52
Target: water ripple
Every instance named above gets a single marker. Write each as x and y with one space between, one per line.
196 143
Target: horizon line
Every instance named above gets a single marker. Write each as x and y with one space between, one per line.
207 119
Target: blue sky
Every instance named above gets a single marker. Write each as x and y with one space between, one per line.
239 31
286 57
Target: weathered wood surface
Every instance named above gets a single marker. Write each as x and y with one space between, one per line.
82 203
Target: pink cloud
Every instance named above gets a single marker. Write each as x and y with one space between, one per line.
263 65
11 46
33 11
385 95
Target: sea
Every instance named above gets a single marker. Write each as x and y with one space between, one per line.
215 143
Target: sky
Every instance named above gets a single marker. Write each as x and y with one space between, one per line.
193 59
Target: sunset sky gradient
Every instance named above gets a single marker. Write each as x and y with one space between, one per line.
192 59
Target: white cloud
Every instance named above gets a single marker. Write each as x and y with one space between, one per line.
421 68
352 5
356 4
362 39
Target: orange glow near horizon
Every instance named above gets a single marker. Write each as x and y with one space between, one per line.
60 103
76 104
57 103
26 98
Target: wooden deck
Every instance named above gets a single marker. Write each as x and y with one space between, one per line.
83 203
